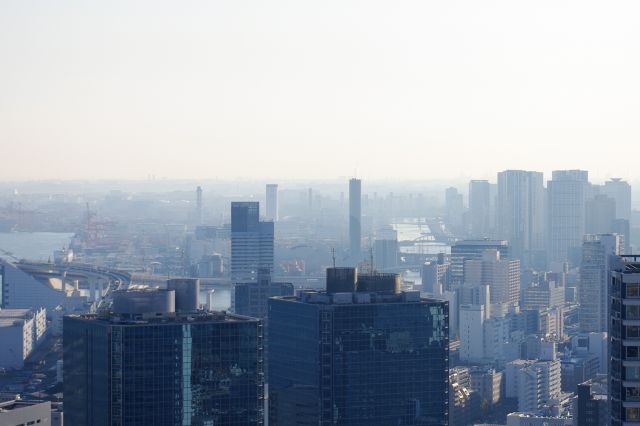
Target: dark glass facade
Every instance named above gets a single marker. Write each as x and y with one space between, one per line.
201 370
624 341
371 360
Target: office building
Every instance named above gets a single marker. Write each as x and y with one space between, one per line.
501 275
272 202
567 193
251 298
486 382
520 215
535 419
355 220
385 250
251 242
600 215
620 191
480 208
593 294
547 291
463 403
374 358
470 250
436 276
624 341
147 363
593 404
454 208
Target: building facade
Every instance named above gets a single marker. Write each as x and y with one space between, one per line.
358 358
251 242
163 367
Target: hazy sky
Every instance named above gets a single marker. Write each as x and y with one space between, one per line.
315 89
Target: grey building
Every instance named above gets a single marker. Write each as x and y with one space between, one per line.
472 250
593 404
620 191
567 191
355 220
480 208
521 216
14 411
251 298
593 294
251 242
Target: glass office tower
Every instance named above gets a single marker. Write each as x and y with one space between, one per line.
358 358
200 368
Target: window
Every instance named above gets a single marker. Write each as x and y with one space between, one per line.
632 352
632 393
632 311
633 413
632 373
632 331
633 290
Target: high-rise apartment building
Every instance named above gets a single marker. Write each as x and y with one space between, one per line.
480 208
593 291
534 383
355 220
521 216
567 194
251 242
624 341
148 364
359 357
272 202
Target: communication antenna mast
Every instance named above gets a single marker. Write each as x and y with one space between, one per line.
333 256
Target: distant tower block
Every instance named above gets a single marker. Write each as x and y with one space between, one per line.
199 206
272 202
355 218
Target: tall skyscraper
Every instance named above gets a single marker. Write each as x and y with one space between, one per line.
251 298
272 202
520 215
148 364
620 191
567 197
374 358
593 291
600 215
454 208
355 219
199 205
480 208
624 341
469 250
251 242
385 249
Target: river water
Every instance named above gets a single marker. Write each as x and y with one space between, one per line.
37 246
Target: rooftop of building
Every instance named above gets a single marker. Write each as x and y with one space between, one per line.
10 402
200 316
357 298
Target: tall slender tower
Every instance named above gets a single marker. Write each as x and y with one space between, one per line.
272 202
355 218
520 215
251 242
480 208
199 205
567 216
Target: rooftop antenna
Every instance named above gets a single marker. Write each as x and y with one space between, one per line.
333 256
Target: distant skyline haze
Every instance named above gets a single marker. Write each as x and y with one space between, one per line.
315 90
